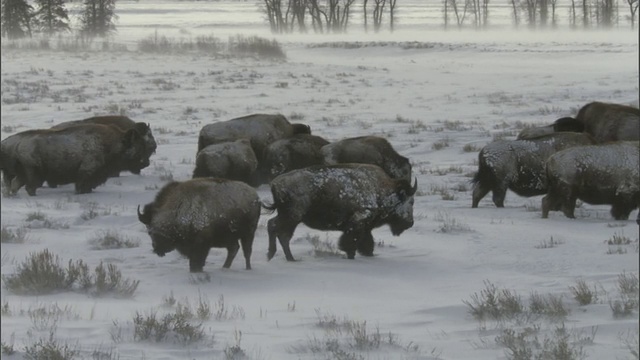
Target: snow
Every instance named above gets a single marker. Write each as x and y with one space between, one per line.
452 89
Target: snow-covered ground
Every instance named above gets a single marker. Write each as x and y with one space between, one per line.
438 102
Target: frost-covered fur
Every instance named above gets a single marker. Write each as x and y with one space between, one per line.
610 122
368 150
84 154
123 123
195 215
598 174
234 160
296 152
352 198
518 165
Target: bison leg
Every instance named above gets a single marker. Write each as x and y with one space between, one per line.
347 243
247 245
479 192
365 244
283 231
198 258
621 211
499 193
16 183
232 250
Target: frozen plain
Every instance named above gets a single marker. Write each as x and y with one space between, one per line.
437 100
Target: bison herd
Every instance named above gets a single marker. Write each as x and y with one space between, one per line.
353 185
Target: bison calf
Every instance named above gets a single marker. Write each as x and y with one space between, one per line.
234 160
352 198
518 165
597 174
195 215
368 150
296 152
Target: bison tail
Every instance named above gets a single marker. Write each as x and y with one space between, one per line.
268 208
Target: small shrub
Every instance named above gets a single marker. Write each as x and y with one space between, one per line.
17 236
7 348
222 312
112 239
41 273
450 224
170 327
582 294
323 248
470 148
619 239
257 46
440 144
235 352
549 244
50 349
525 344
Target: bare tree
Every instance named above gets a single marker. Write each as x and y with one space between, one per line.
460 14
543 9
392 7
378 10
364 13
530 7
332 15
516 18
633 8
585 13
445 13
553 4
573 14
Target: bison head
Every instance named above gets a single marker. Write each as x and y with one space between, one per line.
300 129
161 243
568 124
136 149
401 217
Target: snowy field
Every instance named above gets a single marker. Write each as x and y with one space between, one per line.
438 101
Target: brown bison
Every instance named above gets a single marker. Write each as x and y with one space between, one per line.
368 150
296 152
84 154
597 174
352 198
518 165
234 160
195 215
123 123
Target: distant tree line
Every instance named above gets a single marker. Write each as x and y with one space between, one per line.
332 16
20 19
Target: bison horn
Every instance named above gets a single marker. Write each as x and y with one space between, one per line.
141 216
414 188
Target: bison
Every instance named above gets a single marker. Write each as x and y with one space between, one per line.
195 215
368 150
9 158
84 154
351 198
296 152
518 165
597 174
604 121
234 160
123 123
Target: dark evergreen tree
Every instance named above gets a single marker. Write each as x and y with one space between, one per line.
15 18
98 17
51 16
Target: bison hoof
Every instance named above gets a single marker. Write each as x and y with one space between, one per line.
270 255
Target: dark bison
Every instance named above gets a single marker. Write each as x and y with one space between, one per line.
518 165
84 154
123 123
352 198
598 174
195 215
296 152
234 160
260 129
368 150
604 121
560 125
9 158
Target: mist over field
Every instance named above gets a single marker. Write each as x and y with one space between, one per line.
562 288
